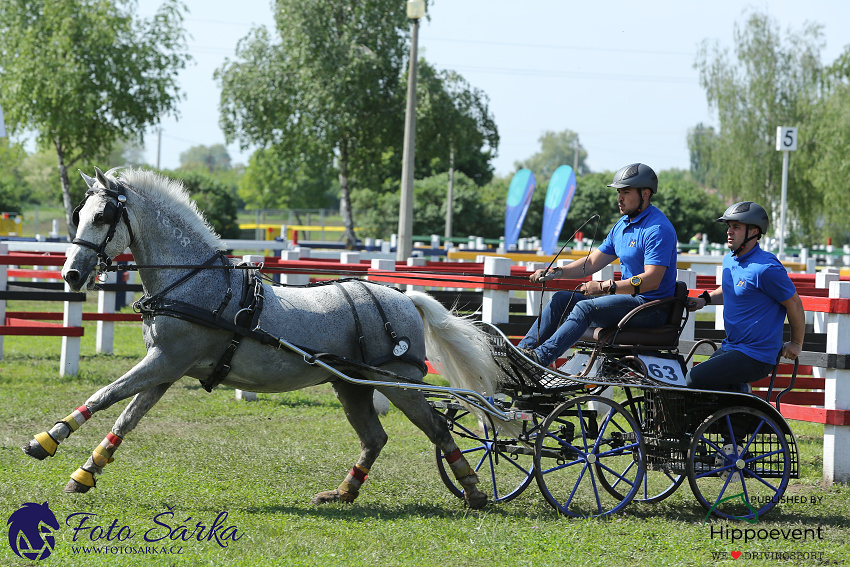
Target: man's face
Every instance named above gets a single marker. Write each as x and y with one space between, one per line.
628 200
736 232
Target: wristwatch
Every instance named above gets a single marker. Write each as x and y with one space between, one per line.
705 296
613 289
635 281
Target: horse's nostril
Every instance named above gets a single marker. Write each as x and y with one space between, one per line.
72 276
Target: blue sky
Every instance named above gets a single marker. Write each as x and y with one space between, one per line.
620 73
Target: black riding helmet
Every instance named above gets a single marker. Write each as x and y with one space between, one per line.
747 212
750 214
637 176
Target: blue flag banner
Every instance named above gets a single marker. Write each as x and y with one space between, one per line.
559 195
519 198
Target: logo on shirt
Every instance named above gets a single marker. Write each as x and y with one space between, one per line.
632 243
741 283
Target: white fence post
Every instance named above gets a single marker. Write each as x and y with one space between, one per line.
106 304
496 304
4 276
242 394
836 438
690 279
69 360
293 279
384 265
532 297
718 310
419 262
822 281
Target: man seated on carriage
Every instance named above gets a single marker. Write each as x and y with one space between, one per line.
757 294
645 242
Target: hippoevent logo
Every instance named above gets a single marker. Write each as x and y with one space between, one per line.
32 527
31 530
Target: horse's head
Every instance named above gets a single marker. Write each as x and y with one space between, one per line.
101 234
31 530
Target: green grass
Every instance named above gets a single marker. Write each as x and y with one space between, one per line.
201 454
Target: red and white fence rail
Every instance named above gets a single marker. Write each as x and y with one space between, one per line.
822 393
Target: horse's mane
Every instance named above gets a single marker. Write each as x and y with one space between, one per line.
171 196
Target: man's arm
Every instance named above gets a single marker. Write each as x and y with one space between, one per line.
797 320
697 303
577 268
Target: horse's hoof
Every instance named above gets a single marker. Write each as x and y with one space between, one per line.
35 450
477 500
335 495
74 487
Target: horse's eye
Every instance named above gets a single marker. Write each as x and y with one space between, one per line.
98 218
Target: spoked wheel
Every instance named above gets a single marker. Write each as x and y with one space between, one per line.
580 438
657 484
738 463
505 466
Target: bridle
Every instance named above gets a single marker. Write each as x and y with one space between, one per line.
112 214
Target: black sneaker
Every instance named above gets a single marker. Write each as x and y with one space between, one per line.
530 354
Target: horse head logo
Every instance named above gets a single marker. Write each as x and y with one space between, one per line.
31 530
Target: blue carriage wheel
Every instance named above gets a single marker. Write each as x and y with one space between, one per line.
739 463
580 438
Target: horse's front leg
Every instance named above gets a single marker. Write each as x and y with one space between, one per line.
83 478
152 370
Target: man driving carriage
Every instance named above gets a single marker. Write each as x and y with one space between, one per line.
645 242
757 294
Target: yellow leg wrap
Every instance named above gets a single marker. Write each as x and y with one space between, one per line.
47 442
83 477
101 456
71 423
463 469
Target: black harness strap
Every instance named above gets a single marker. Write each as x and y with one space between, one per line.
401 345
245 320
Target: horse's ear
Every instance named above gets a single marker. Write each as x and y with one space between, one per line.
101 178
89 181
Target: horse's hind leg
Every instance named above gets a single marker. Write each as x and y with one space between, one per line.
360 411
420 413
83 478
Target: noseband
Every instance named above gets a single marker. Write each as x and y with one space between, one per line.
112 214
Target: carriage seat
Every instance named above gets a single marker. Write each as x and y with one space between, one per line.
665 336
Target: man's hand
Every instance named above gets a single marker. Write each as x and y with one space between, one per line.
791 350
592 288
696 303
545 276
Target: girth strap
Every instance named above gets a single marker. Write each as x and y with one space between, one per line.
401 345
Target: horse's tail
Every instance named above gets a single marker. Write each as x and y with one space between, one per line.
458 348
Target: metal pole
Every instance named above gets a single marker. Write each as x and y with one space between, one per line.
450 194
405 213
782 205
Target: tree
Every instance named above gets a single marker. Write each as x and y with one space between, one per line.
84 75
556 149
830 146
207 158
277 179
332 81
475 208
215 200
771 83
454 126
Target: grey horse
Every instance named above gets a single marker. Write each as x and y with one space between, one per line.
154 217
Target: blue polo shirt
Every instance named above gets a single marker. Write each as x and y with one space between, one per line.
649 239
754 287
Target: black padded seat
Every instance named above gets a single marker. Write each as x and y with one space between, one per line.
665 336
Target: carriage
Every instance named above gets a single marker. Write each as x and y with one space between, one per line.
615 424
612 425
